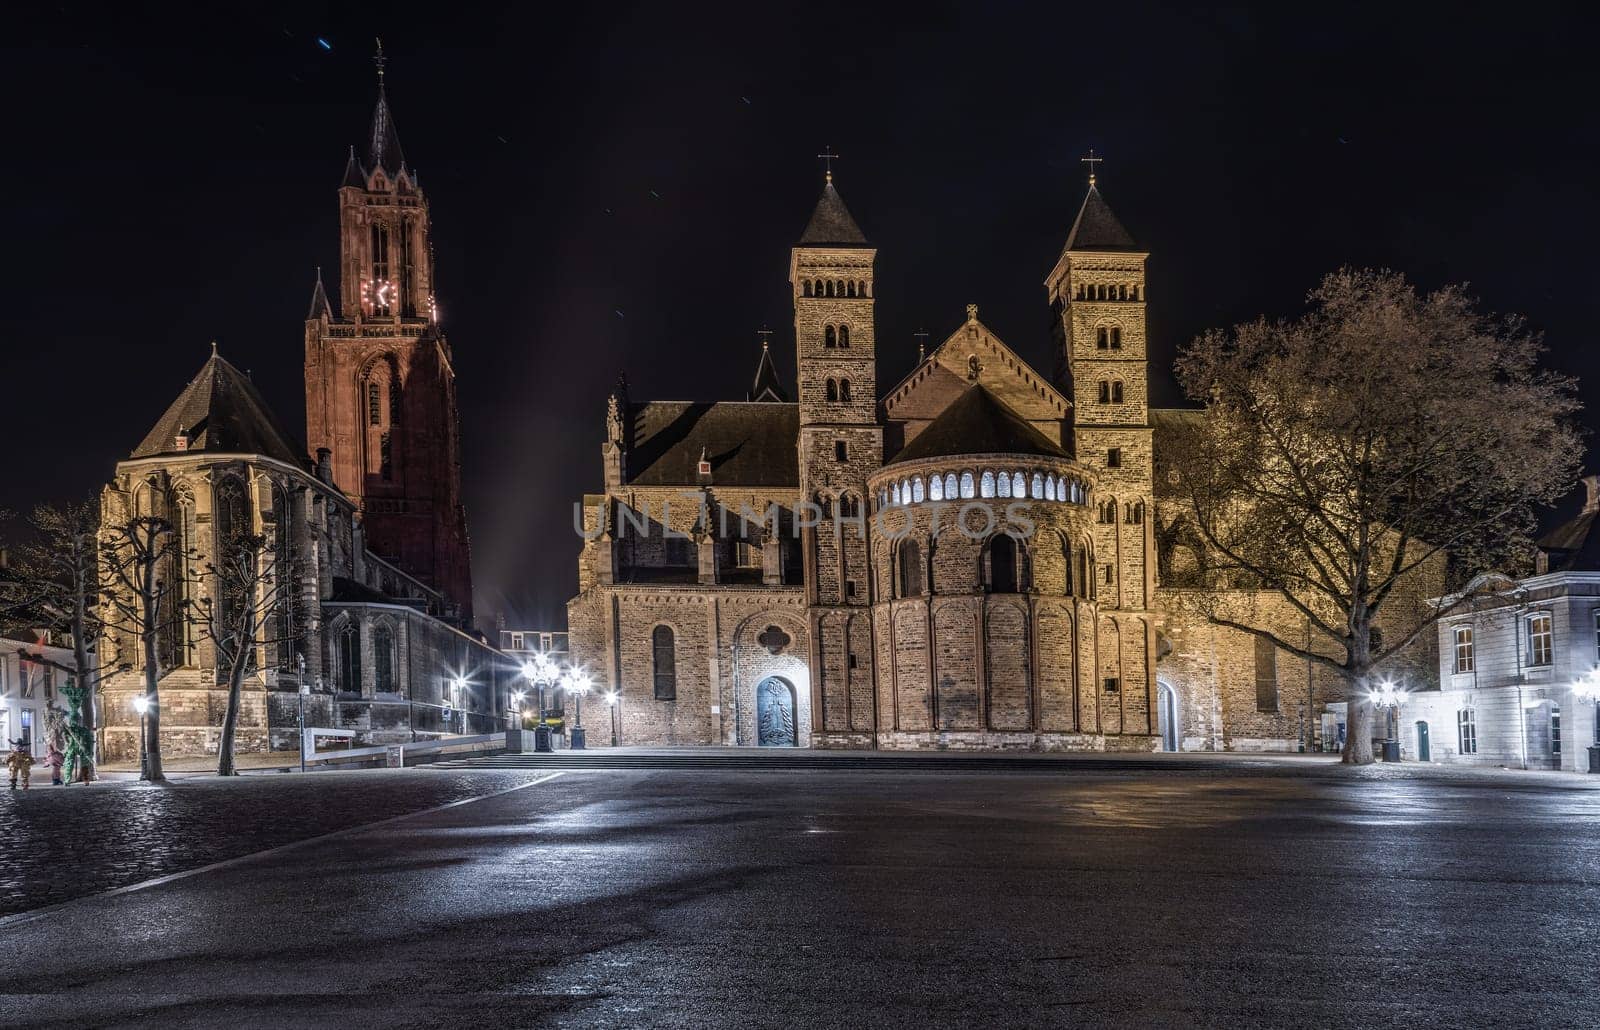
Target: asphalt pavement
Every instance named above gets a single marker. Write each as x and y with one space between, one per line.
1238 897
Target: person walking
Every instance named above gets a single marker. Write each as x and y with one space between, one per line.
55 760
18 763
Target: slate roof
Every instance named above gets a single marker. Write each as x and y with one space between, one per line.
1096 228
748 443
319 300
1573 546
831 224
978 423
767 386
383 142
223 413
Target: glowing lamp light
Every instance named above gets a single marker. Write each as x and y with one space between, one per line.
1388 695
611 698
1587 687
141 704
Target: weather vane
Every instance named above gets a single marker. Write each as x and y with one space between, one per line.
828 158
380 61
921 336
1091 161
765 335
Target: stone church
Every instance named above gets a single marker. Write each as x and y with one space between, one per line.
967 558
371 531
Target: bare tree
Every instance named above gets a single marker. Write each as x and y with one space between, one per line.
137 559
1383 438
250 595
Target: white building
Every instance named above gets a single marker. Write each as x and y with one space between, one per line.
29 686
1508 662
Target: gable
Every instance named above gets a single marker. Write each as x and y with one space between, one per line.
948 372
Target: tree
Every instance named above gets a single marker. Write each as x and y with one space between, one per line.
137 560
60 579
1381 437
248 594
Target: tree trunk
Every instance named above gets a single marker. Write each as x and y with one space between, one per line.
152 721
230 718
1358 729
87 680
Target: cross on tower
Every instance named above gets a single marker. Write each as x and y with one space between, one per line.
921 336
827 162
1091 161
766 336
380 61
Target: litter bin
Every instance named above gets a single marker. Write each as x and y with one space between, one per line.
542 738
577 738
1594 758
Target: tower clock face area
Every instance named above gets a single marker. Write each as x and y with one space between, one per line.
378 296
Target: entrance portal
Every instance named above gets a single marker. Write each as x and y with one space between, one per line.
1424 753
775 713
1167 712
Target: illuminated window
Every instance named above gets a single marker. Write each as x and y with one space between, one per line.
1037 493
1050 488
935 488
916 489
1002 485
986 485
1539 639
1017 487
1465 661
949 486
665 661
1555 730
1467 731
966 485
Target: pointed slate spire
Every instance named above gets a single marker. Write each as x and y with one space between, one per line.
383 142
354 174
319 300
221 412
1096 228
831 224
767 386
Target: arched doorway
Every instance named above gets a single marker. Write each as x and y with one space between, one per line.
775 724
1167 712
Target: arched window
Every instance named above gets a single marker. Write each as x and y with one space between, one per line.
805 288
1018 487
950 486
935 488
1110 391
910 569
1102 338
374 404
347 663
283 574
828 288
905 490
383 660
1116 338
1002 564
849 506
883 498
1002 485
664 660
844 336
1467 731
1037 487
861 291
850 288
1135 513
986 485
839 291
844 390
1050 487
830 336
916 489
831 391
894 493
966 485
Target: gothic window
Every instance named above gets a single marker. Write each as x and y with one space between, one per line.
407 271
850 505
347 663
665 663
861 291
383 659
1050 487
1002 485
830 336
844 336
831 391
916 489
950 491
935 488
1017 486
1465 659
986 485
905 490
805 288
394 401
850 288
844 391
283 579
380 291
385 462
966 485
910 569
1110 391
1037 493
374 404
1266 675
1134 514
1467 731
894 493
1003 577
1539 639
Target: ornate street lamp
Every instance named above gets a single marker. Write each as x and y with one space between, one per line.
1588 689
540 672
611 702
1390 696
141 704
577 683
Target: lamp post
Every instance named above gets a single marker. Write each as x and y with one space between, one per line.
540 672
459 686
304 691
141 704
611 702
1390 696
1588 689
576 682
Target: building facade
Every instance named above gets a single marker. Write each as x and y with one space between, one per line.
30 676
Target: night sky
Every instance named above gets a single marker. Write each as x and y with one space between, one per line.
616 189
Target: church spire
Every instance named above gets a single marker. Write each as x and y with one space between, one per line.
383 142
831 224
319 300
767 386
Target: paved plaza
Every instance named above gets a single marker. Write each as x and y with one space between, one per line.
1235 894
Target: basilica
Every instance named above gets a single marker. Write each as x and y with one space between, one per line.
979 556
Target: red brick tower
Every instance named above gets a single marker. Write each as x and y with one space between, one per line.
380 378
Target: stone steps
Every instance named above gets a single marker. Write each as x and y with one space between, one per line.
801 759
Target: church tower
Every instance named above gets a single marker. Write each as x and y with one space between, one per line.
380 376
841 445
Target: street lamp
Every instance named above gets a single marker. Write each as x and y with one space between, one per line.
1588 689
611 702
141 704
540 671
1390 696
517 697
577 683
457 700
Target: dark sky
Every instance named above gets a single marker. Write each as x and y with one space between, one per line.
616 188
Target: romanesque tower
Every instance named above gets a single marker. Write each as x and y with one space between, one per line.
1097 291
380 377
841 444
